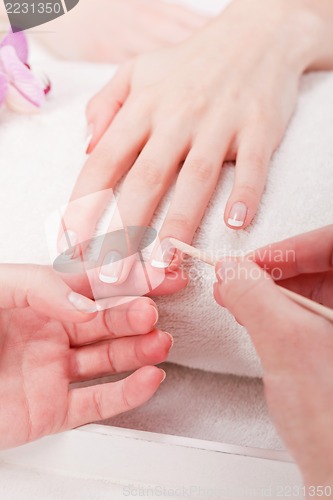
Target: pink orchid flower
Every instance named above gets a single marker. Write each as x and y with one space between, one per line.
20 89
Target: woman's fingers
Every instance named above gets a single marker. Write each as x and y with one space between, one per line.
151 176
316 286
119 356
44 291
126 316
174 281
103 401
253 156
311 252
114 155
104 106
195 186
145 185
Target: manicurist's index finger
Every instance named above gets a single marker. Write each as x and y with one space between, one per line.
310 252
281 330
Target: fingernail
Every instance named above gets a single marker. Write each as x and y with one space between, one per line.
156 315
164 376
237 214
81 303
172 339
163 255
89 136
112 267
225 270
67 244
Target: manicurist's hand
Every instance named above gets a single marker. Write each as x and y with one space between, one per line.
116 30
51 336
294 345
227 93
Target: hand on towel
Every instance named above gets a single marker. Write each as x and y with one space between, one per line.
295 345
117 30
51 337
225 94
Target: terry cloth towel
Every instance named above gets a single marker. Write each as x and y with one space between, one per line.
41 157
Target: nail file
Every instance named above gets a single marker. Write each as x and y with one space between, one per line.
309 304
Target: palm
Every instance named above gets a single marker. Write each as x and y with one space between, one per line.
35 373
40 357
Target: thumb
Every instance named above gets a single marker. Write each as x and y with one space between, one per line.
275 323
40 288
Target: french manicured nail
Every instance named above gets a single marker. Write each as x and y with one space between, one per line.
237 214
67 244
89 136
112 267
163 255
164 376
225 270
81 303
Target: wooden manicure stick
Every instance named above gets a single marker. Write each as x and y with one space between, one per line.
324 311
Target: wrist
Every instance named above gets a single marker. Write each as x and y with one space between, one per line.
299 32
310 28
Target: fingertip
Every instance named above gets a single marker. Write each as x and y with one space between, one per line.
236 215
156 346
217 295
218 270
147 381
142 315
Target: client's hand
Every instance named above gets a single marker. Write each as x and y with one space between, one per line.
295 345
116 30
51 336
225 94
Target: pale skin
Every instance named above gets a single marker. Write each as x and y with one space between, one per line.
227 93
48 342
294 345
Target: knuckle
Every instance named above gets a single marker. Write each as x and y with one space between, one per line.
260 113
109 320
257 160
202 169
198 102
248 190
179 223
109 358
145 172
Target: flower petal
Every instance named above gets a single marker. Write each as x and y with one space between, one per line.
3 87
21 77
19 42
17 102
